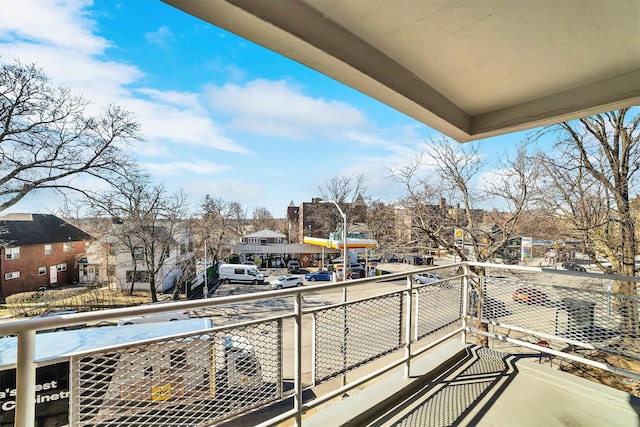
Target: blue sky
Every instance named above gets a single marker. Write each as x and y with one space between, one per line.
219 114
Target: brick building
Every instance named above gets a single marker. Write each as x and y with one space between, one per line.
38 250
314 219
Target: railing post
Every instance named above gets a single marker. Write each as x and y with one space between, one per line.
26 379
297 339
465 302
345 329
407 328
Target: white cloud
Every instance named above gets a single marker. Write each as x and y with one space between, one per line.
58 38
63 24
277 109
229 189
163 37
200 167
181 123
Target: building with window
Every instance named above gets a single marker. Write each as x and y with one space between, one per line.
264 237
267 248
38 250
310 218
121 256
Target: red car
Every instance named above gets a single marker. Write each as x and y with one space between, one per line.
356 273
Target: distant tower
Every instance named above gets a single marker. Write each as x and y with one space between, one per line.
293 223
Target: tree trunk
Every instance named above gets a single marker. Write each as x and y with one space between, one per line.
152 288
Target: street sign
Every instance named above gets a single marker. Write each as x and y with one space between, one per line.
458 238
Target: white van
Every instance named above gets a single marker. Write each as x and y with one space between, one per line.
240 273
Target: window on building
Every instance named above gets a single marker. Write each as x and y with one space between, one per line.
140 276
111 270
11 275
183 248
138 253
73 246
62 267
42 271
111 249
66 247
48 249
12 253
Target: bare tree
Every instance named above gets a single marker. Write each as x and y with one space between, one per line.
262 219
590 178
47 137
381 221
149 223
348 192
448 171
221 224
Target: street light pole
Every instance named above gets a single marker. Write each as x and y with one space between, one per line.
344 291
344 238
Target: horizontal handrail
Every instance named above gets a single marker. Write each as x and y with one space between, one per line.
26 328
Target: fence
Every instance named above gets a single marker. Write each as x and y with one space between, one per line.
364 328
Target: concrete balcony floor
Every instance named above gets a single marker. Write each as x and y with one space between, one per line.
468 385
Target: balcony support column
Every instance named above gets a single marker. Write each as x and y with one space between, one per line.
407 327
297 339
26 379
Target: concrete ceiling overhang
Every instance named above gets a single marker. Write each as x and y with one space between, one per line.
469 69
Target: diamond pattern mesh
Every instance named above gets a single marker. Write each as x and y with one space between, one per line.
187 380
447 405
582 317
349 335
438 304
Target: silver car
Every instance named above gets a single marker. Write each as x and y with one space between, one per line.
426 278
287 281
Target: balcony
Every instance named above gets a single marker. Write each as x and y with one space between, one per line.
362 352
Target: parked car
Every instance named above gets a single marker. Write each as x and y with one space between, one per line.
320 275
287 281
159 317
529 295
573 266
356 272
427 278
293 265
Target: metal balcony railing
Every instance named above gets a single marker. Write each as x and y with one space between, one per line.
269 347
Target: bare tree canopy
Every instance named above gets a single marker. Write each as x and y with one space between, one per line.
443 193
262 219
349 193
150 224
221 225
47 137
381 221
590 178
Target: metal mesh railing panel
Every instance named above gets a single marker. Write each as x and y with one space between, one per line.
189 380
588 318
350 335
447 403
438 304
